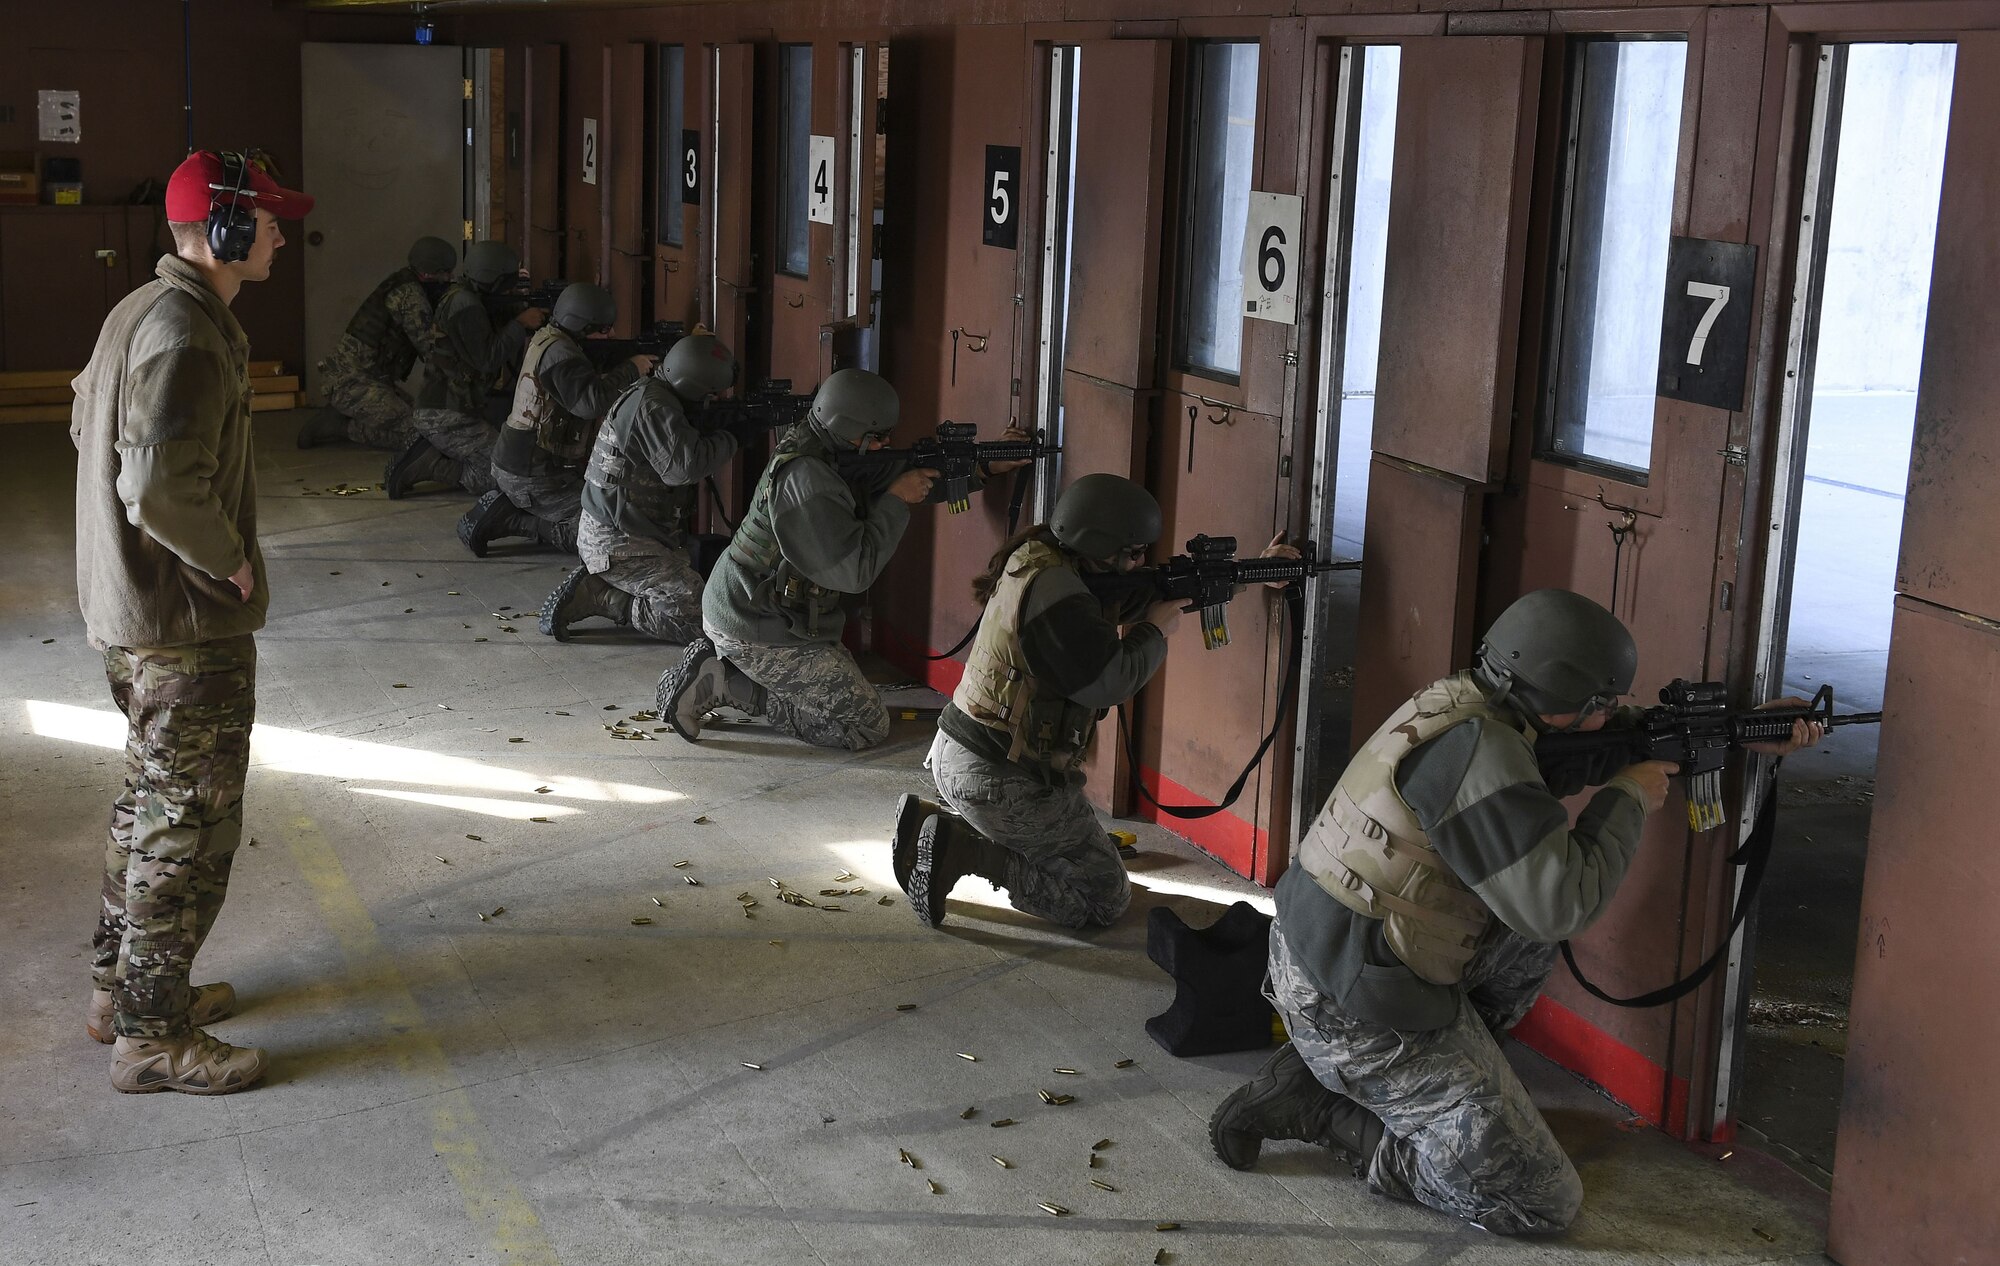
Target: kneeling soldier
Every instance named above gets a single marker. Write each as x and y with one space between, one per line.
1422 918
638 497
559 400
771 610
385 338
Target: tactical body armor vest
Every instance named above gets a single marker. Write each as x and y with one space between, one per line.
541 436
624 490
1367 850
460 379
754 549
390 353
997 689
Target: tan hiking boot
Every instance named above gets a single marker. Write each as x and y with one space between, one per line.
212 1004
192 1063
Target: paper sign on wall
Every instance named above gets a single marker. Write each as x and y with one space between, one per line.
819 179
60 114
590 151
1271 257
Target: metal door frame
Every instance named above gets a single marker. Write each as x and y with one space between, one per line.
1058 204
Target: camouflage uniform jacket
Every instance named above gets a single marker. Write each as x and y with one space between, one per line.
471 356
559 400
647 463
166 492
1476 795
390 331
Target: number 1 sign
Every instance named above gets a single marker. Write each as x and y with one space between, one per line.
1271 257
1705 329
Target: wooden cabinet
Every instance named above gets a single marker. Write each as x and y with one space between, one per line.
61 270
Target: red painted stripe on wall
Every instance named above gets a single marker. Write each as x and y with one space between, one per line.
1236 843
941 675
1627 1076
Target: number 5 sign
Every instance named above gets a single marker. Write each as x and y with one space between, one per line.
1271 257
1705 328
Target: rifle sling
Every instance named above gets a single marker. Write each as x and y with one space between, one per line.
1015 500
1752 856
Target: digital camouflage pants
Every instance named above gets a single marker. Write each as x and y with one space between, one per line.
816 693
1062 866
1462 1134
665 587
175 825
555 499
377 413
465 438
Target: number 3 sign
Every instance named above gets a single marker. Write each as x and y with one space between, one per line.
1271 257
1705 328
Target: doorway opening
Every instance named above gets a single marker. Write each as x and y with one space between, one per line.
1058 212
1860 300
1361 163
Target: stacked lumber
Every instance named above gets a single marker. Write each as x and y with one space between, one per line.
43 395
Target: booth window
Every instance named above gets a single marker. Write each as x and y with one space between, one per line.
671 163
795 75
1222 145
1621 144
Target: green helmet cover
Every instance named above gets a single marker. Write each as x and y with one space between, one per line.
1554 651
486 263
697 367
1101 516
433 257
583 307
852 405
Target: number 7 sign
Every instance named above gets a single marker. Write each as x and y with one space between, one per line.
1705 325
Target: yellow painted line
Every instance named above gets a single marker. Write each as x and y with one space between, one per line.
493 1201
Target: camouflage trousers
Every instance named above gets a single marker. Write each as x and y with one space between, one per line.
175 825
1462 1134
556 499
815 692
465 438
665 587
1062 866
377 412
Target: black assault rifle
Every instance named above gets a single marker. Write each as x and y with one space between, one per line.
769 406
1695 728
654 340
1208 576
956 453
521 294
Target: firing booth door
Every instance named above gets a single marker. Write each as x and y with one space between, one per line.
384 153
800 184
1632 497
1108 364
541 134
680 79
726 280
622 182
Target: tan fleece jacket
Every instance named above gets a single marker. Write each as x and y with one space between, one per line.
166 490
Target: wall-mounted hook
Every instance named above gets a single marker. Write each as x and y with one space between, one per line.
671 265
795 301
973 342
1220 419
1194 412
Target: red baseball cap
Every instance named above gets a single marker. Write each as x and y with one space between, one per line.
203 179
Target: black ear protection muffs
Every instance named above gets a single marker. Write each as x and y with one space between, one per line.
232 218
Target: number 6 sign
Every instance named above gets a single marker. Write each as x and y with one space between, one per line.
1705 327
1271 235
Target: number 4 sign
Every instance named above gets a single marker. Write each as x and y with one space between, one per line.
1271 257
1705 328
819 176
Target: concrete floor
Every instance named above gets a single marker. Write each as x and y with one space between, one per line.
559 1084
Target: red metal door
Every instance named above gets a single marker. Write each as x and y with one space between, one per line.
1109 359
622 180
542 160
1919 1123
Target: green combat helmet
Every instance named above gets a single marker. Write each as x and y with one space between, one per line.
1101 516
1554 652
853 406
697 367
583 307
487 263
433 257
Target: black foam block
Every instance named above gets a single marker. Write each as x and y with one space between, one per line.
1218 974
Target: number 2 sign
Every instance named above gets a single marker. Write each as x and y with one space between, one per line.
1271 257
1705 327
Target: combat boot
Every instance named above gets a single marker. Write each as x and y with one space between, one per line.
702 682
1285 1101
325 426
579 596
490 518
420 463
911 811
192 1063
212 1003
949 849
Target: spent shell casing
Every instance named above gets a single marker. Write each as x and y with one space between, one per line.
1100 1145
1071 1072
968 1114
498 911
843 876
970 1059
482 918
445 860
656 901
933 1187
692 881
747 1064
885 901
469 837
833 892
683 863
1095 1160
641 921
775 884
903 1155
828 905
1166 1226
1160 1258
1124 1063
1001 1123
906 1006
1102 1185
1002 1162
1046 1096
1060 1100
1053 1210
